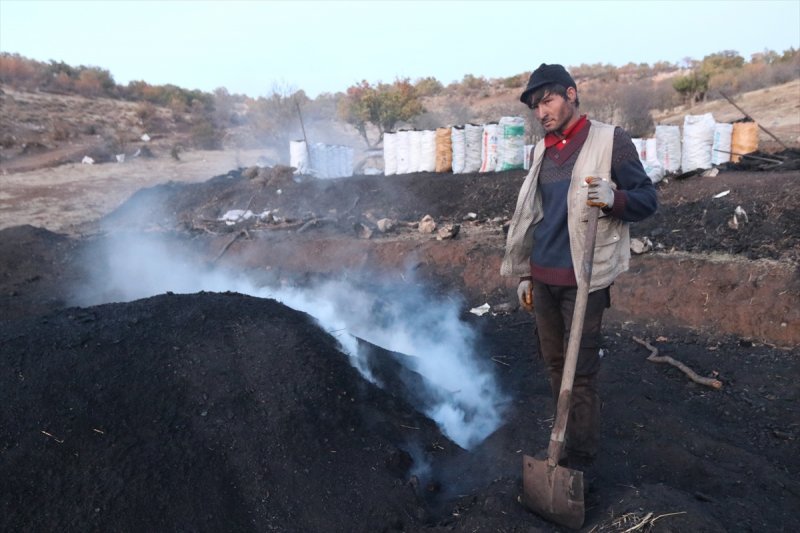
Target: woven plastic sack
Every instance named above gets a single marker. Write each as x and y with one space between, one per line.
389 154
459 142
652 166
403 151
473 135
744 139
528 152
444 150
414 150
640 147
427 160
698 136
668 145
298 157
721 147
489 145
511 144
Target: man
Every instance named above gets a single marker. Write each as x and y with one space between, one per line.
579 163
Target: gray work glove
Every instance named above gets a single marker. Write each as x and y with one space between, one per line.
525 294
600 193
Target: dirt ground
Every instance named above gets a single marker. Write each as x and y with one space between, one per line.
61 197
210 411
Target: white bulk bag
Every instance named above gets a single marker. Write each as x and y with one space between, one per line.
317 159
340 170
347 170
668 146
511 144
698 136
414 150
473 135
298 157
528 151
652 166
427 161
721 147
489 147
389 154
403 144
458 140
640 147
651 151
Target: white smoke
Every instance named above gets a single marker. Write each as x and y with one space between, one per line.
406 319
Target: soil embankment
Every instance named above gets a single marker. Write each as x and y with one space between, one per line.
203 410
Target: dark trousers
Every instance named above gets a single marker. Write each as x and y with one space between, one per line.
553 306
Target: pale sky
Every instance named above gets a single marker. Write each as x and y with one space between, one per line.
252 47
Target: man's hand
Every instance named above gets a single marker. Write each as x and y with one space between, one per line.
525 294
600 193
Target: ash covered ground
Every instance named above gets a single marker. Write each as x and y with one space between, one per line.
219 410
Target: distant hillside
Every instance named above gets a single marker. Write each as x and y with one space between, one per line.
54 113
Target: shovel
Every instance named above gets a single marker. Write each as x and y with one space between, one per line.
552 491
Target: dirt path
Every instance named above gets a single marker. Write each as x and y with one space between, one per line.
61 198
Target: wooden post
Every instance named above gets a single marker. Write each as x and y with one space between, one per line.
751 118
302 127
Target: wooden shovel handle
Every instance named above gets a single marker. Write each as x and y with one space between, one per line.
575 332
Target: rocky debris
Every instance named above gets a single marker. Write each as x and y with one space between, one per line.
738 214
427 224
385 225
362 230
640 246
448 231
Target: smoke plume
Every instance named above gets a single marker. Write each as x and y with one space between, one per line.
466 403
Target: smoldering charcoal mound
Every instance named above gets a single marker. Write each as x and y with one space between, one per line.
199 412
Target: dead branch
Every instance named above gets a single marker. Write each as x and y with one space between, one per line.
748 156
230 242
316 222
355 203
249 203
655 358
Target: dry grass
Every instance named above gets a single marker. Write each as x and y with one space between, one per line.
638 522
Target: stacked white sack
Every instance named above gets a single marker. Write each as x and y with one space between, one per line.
528 151
721 148
458 139
511 144
402 142
489 147
639 144
389 154
427 162
298 157
473 134
414 150
652 166
698 136
668 145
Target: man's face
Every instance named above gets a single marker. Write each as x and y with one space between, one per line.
555 112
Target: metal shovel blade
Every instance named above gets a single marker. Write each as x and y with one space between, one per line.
553 492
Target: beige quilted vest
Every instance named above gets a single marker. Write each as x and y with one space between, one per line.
612 249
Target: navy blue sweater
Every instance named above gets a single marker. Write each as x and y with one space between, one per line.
634 199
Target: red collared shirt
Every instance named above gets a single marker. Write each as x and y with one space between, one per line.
551 139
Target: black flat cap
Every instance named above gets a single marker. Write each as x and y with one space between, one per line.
545 75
